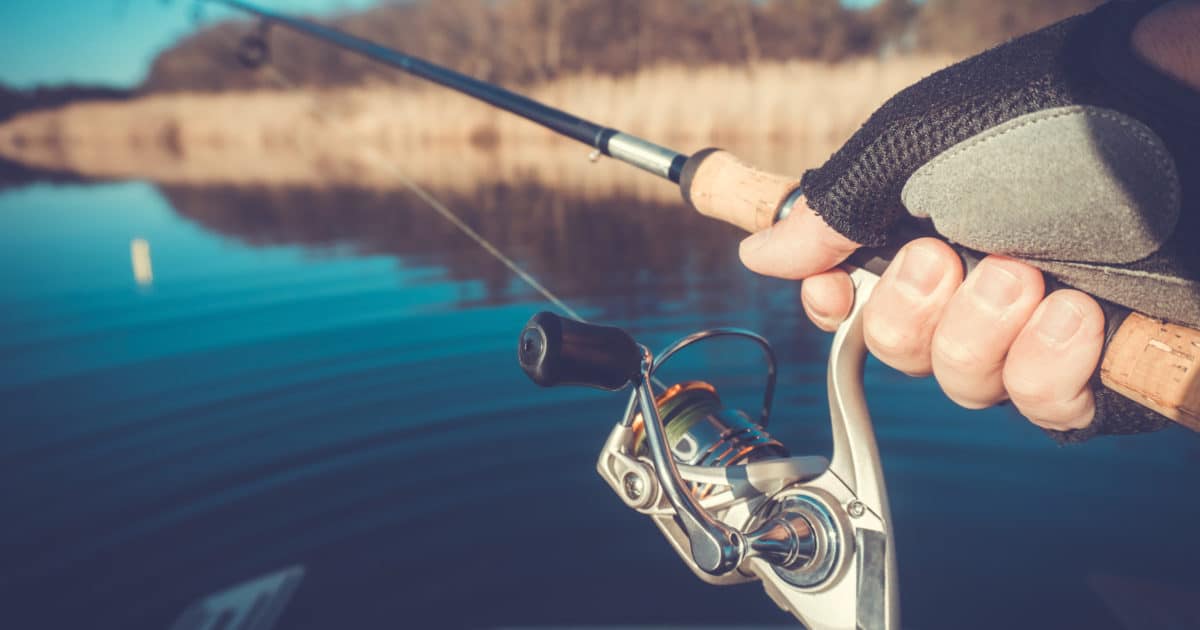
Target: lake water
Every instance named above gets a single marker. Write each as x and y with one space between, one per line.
327 378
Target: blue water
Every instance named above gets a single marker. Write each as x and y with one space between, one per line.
328 378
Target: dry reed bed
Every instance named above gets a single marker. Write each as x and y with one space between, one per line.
783 116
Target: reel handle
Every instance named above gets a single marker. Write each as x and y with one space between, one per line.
557 350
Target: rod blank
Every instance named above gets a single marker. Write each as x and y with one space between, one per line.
647 156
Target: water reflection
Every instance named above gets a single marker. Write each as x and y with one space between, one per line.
139 255
16 175
325 376
616 249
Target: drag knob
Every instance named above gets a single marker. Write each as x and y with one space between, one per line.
555 350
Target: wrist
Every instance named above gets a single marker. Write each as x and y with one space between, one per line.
1166 39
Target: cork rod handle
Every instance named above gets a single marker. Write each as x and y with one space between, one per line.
1156 364
1153 363
719 185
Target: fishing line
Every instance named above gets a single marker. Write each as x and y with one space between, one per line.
261 60
483 242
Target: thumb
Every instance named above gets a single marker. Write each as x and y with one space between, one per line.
797 247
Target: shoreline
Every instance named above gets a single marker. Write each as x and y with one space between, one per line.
781 115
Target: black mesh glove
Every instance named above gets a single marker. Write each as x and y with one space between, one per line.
1060 148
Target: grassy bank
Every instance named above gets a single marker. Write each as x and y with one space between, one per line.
784 115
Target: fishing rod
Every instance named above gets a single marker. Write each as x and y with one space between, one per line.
627 148
713 181
732 501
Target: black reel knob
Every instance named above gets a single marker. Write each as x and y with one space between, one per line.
555 350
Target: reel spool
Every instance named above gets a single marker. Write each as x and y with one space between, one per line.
701 431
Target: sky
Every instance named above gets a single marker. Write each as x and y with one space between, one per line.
112 42
107 42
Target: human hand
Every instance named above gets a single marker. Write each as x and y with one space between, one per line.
990 338
1061 150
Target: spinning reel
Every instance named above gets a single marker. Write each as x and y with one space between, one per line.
731 500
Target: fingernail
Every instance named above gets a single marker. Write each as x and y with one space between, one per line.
1059 322
996 287
822 318
921 270
813 310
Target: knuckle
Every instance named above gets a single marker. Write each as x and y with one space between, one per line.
1066 416
887 340
968 402
899 349
1074 412
959 357
827 324
894 335
827 296
936 246
1025 273
1030 392
973 387
1046 423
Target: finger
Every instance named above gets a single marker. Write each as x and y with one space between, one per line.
827 298
905 307
978 325
1050 364
797 247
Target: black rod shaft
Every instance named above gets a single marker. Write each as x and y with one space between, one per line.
659 160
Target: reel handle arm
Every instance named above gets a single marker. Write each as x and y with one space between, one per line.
716 548
1142 355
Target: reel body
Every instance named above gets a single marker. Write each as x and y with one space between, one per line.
729 498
